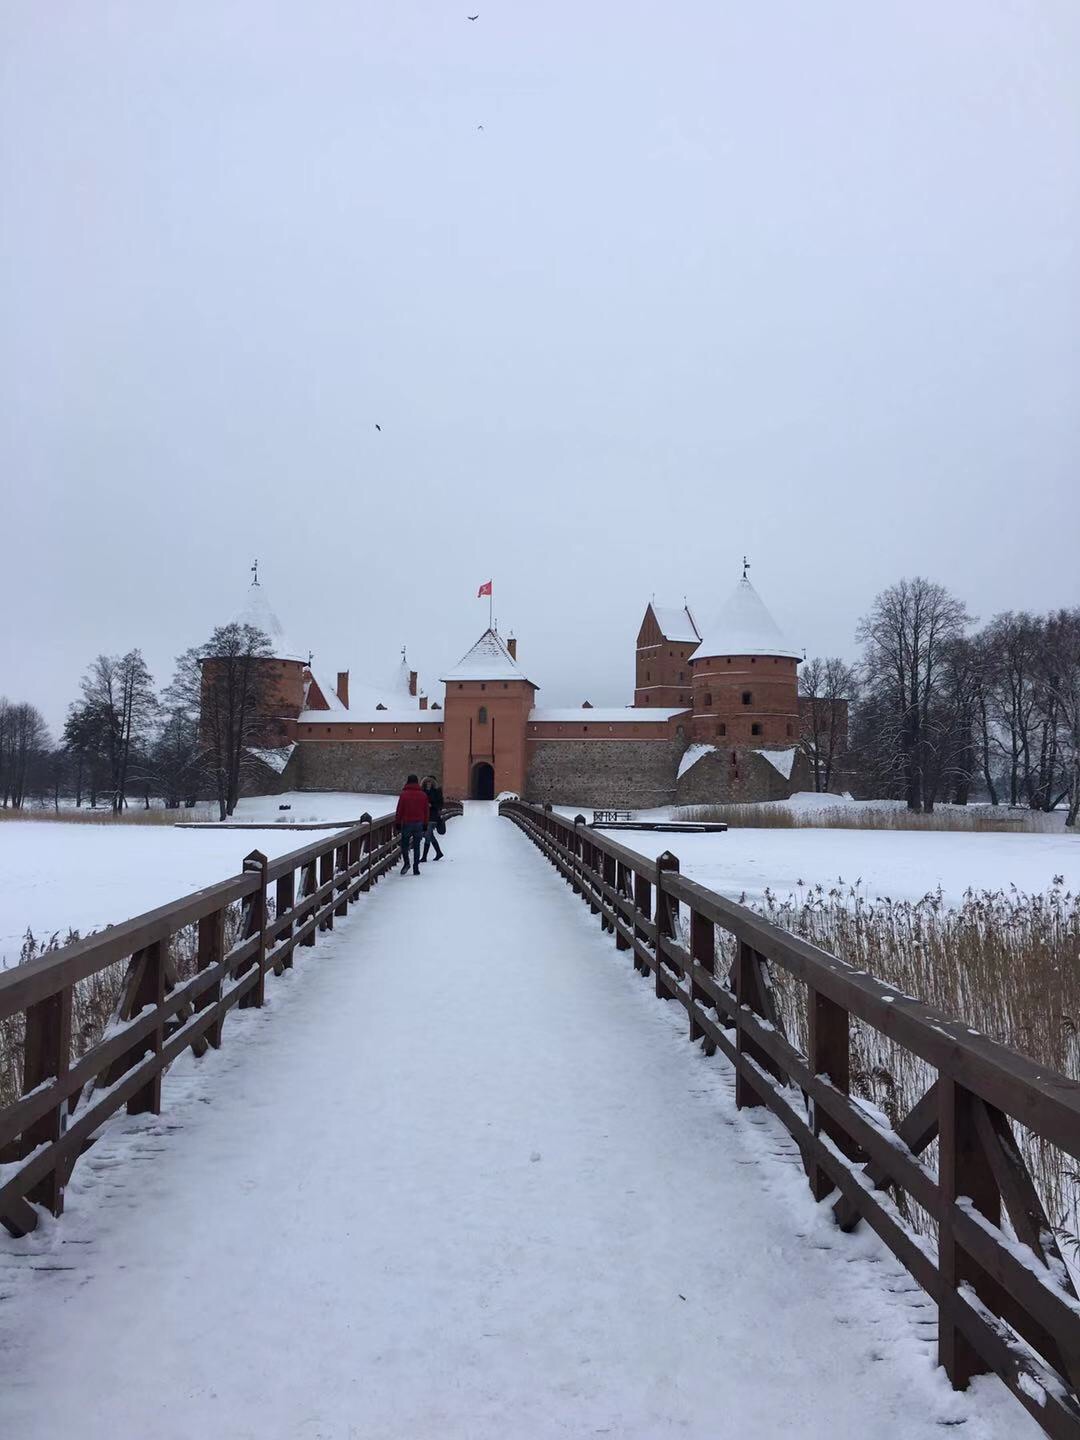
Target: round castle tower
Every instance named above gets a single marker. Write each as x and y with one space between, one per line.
745 678
284 673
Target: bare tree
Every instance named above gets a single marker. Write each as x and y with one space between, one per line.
826 687
223 683
24 739
906 636
119 691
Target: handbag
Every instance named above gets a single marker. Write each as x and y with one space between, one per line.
440 826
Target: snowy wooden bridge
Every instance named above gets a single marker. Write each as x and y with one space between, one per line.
460 1174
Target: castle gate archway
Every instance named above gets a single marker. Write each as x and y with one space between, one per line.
482 783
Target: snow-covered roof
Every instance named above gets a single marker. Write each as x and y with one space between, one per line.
745 627
368 715
489 659
258 612
624 714
329 693
676 623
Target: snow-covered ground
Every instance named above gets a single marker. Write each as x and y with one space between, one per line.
546 1218
59 877
897 863
318 805
902 864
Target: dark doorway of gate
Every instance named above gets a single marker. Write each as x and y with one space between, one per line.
483 782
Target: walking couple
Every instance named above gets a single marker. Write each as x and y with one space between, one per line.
419 813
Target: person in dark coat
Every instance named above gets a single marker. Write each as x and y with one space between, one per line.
435 809
411 818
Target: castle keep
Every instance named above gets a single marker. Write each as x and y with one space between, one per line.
715 718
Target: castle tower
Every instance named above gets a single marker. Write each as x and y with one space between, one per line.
488 700
282 672
665 642
745 678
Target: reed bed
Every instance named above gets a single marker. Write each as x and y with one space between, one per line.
156 815
94 1000
983 819
1006 963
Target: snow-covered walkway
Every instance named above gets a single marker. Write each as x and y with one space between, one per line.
462 1177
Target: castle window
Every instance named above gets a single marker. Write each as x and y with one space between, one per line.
680 677
753 659
721 729
482 716
328 729
755 729
460 686
506 685
483 687
584 729
610 728
734 758
708 698
371 729
747 697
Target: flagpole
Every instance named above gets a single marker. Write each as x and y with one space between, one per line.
491 603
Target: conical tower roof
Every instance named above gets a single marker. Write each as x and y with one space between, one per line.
258 612
745 627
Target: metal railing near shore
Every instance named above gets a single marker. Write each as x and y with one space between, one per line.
236 932
1006 1302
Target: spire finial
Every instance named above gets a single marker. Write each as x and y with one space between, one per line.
745 566
255 573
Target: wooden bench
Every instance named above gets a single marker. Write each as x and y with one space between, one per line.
611 817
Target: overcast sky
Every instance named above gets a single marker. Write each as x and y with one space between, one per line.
795 280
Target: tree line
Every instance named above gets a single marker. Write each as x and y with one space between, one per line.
123 741
939 710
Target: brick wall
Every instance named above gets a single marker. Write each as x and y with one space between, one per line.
715 780
637 773
352 765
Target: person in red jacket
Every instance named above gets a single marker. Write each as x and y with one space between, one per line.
411 818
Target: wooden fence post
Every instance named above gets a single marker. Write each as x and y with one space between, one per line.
622 889
365 853
341 866
309 884
211 952
255 925
47 1056
829 1055
643 905
326 874
963 1170
284 900
747 992
607 872
354 860
703 950
666 911
148 988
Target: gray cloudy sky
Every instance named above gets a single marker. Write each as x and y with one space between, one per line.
796 280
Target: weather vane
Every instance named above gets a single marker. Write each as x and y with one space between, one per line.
255 572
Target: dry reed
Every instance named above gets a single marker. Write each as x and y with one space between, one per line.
984 819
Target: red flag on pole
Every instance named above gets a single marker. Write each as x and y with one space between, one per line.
485 589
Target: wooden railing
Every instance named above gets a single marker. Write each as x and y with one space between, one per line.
1005 1299
236 932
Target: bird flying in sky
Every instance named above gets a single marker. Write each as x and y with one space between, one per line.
378 427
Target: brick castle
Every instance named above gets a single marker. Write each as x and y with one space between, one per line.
715 718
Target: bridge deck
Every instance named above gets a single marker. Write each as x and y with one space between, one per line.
464 1176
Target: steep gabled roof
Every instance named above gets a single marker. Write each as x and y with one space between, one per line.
489 659
676 623
745 627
